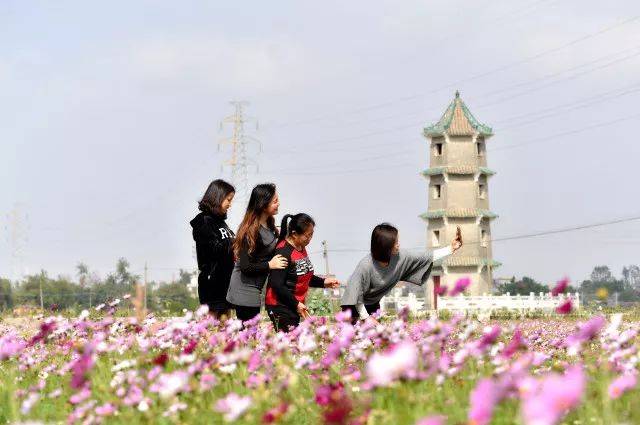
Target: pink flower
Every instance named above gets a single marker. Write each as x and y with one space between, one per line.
489 337
169 384
484 398
622 384
11 345
460 286
207 381
433 420
560 287
554 396
565 307
106 409
273 415
81 396
384 368
515 344
81 368
586 332
233 406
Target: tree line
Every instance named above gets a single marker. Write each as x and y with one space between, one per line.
601 284
89 290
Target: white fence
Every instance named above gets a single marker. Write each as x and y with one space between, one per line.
486 302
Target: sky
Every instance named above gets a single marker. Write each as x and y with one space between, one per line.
110 122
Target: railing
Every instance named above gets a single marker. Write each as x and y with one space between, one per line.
486 302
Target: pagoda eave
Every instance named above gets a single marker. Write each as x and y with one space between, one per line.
458 213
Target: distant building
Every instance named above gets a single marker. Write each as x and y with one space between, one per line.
459 196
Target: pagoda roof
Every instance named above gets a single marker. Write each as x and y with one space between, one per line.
460 261
458 213
457 120
458 169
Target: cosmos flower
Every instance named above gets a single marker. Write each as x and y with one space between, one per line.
233 406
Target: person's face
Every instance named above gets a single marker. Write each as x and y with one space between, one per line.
303 239
272 209
226 203
396 247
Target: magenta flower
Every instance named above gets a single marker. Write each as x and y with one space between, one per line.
560 287
442 290
517 342
565 307
460 286
489 337
622 384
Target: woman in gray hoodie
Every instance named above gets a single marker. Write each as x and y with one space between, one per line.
381 270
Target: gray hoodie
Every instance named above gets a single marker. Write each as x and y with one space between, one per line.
370 281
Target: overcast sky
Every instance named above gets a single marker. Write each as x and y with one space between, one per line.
110 111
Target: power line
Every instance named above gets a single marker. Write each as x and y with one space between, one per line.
516 237
456 83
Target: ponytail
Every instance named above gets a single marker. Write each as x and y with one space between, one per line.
284 231
299 223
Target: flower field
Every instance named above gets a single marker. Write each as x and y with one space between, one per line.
102 368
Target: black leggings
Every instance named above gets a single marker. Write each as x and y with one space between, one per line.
371 308
246 313
283 318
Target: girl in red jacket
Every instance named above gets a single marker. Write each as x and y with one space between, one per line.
287 288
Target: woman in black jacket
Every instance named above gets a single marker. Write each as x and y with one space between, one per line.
214 247
254 248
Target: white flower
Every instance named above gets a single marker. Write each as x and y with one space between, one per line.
228 368
233 406
384 368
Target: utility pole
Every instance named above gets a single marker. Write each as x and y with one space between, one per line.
325 255
239 141
41 299
146 270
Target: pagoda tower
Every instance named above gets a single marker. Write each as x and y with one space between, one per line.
459 196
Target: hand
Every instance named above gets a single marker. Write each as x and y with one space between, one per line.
372 320
303 311
331 282
456 243
278 263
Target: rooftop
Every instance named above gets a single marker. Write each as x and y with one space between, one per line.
457 120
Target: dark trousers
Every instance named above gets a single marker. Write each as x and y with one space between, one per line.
283 318
371 308
246 313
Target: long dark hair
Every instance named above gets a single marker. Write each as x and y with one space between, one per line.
260 198
213 197
383 239
299 224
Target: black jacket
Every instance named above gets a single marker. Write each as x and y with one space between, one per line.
214 241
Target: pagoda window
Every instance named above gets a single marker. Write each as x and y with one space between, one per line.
437 149
480 148
435 238
484 238
437 191
482 191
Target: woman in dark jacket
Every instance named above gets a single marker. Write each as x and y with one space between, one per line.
214 246
254 248
287 288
